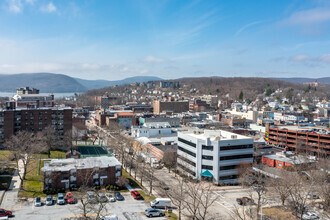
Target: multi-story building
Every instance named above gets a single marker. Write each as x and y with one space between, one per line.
33 100
213 154
315 140
233 120
172 106
151 129
27 90
90 171
105 101
34 120
173 121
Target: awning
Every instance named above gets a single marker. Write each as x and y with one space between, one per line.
207 173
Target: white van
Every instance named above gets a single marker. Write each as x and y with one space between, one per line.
161 203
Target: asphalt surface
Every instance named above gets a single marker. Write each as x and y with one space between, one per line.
128 209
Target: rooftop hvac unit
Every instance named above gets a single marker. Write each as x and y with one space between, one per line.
234 137
217 138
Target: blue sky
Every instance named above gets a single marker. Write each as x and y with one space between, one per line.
111 40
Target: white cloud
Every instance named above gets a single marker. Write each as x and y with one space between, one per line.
247 26
49 8
324 58
309 17
300 58
152 59
15 6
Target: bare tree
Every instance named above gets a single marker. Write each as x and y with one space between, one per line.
207 198
122 181
193 201
280 186
169 159
51 139
24 146
178 194
255 182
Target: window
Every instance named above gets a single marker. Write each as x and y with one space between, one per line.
236 147
234 157
187 142
205 157
206 167
204 147
228 177
228 167
187 151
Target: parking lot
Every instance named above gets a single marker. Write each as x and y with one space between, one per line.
128 209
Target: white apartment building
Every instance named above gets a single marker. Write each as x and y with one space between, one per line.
151 129
213 154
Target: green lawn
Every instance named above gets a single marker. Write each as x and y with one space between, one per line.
146 197
33 185
53 155
132 182
4 154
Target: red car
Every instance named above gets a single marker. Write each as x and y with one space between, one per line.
136 194
69 198
4 212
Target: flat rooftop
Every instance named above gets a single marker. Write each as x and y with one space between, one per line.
89 162
214 134
301 128
294 160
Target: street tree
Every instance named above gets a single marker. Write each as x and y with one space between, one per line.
169 159
24 147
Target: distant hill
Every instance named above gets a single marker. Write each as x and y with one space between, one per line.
46 82
324 80
60 83
97 84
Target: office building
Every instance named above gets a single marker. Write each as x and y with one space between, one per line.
214 155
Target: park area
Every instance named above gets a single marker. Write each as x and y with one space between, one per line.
92 151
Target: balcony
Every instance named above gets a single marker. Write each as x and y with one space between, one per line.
96 176
73 178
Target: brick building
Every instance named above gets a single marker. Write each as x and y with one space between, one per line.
284 159
91 171
105 101
172 106
34 120
315 140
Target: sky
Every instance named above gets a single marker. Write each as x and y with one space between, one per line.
115 39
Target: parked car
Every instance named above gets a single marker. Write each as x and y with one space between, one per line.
4 212
102 197
312 196
119 197
37 203
244 201
69 198
91 197
60 199
49 200
136 194
111 198
310 215
161 203
151 212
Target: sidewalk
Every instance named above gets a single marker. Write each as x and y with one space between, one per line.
10 198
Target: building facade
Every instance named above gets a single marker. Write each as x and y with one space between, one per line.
34 120
214 152
296 138
91 171
172 106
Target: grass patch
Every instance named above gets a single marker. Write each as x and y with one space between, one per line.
4 154
146 197
171 216
54 154
33 185
278 213
131 181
